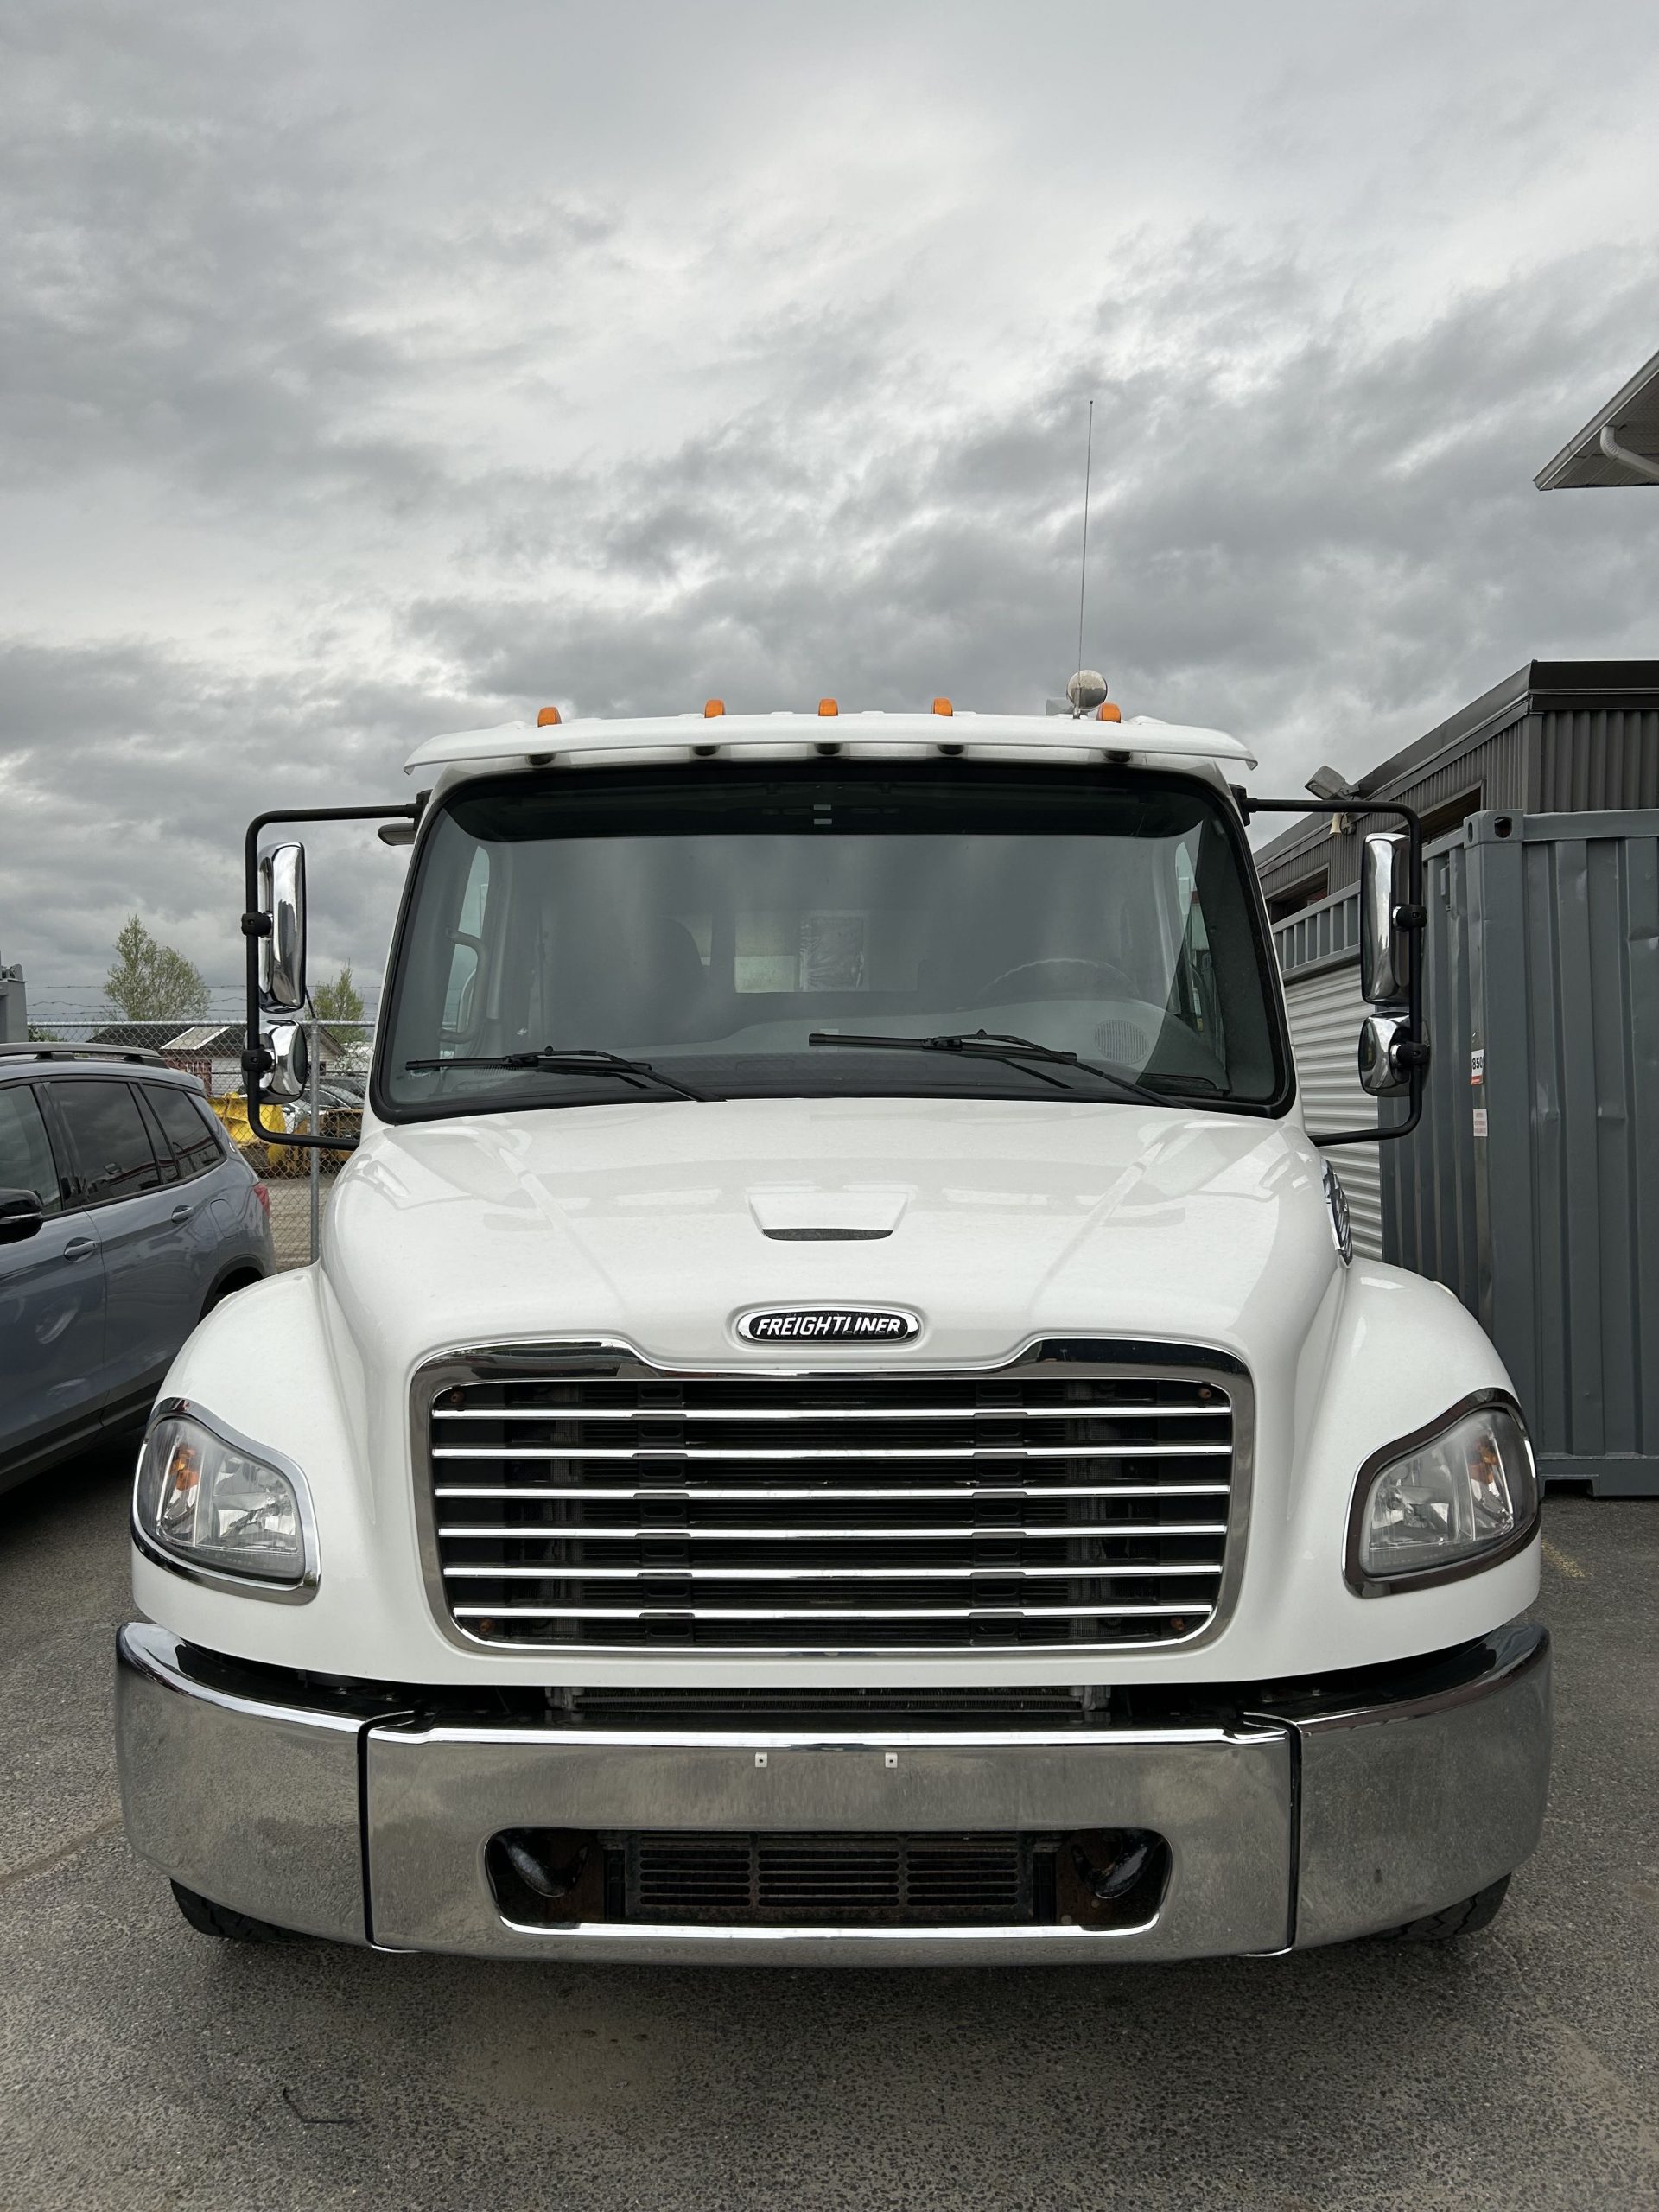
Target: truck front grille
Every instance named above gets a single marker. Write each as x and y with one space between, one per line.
1068 1499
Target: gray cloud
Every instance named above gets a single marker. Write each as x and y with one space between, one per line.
366 375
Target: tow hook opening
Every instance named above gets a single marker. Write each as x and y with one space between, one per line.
1118 1877
1099 1878
546 1877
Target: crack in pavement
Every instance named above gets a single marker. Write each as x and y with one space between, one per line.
11 1875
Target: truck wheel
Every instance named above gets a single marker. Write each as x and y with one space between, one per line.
1455 1920
211 1919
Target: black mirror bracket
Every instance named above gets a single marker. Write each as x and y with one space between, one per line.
1411 1050
257 1060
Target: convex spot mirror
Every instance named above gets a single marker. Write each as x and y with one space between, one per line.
290 1060
21 1215
1385 949
1381 1071
282 954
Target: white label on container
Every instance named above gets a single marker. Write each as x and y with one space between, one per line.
1478 1065
1480 1120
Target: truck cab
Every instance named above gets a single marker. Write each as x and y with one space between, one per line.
836 1418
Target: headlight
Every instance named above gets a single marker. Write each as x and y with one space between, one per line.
1453 1499
228 1510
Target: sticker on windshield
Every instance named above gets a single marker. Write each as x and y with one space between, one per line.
833 952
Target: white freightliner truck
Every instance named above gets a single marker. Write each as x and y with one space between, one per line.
836 1418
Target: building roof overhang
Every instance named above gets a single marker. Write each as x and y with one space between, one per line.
1618 446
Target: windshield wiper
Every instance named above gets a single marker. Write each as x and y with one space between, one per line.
991 1045
566 1059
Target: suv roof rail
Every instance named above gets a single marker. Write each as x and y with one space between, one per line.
44 1052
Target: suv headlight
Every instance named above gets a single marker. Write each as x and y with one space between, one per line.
223 1509
1458 1496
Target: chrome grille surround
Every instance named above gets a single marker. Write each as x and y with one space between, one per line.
1086 1494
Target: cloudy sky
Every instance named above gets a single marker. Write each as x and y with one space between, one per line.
382 367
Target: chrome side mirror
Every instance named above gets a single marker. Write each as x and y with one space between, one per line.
282 953
1385 950
290 1060
1387 1052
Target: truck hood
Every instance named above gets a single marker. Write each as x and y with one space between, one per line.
994 1221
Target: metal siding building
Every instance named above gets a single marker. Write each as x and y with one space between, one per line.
1556 735
1534 1194
1318 955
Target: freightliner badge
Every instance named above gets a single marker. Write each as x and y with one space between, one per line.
874 1324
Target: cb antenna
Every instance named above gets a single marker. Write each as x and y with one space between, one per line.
1083 577
1087 688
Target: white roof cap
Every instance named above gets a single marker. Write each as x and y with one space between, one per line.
651 740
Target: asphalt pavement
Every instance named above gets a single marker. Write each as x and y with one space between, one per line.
143 2065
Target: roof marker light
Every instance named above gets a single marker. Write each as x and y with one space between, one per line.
943 706
547 716
711 708
827 707
1106 712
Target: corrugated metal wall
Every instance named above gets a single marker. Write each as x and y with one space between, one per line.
1496 767
1533 1193
1599 758
1326 1011
1318 956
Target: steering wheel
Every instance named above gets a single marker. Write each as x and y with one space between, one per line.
1058 978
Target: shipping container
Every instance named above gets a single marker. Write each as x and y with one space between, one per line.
1531 1188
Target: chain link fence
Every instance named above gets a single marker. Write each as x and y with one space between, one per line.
298 1179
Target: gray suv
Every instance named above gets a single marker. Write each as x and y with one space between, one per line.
125 1213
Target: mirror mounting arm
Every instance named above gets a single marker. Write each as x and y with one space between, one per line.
1412 914
257 1060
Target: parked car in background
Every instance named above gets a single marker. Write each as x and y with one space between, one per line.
125 1214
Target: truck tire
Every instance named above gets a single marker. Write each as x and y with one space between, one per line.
1455 1920
210 1919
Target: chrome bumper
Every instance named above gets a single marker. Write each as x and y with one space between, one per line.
1308 1821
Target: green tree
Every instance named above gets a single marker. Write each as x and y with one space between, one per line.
150 981
338 998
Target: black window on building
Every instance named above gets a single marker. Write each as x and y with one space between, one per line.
1307 891
1441 821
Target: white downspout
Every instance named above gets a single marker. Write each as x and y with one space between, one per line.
1637 463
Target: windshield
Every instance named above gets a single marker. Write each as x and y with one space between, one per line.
712 919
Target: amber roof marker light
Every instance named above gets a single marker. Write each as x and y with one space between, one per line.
712 708
547 717
1106 712
827 707
943 706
